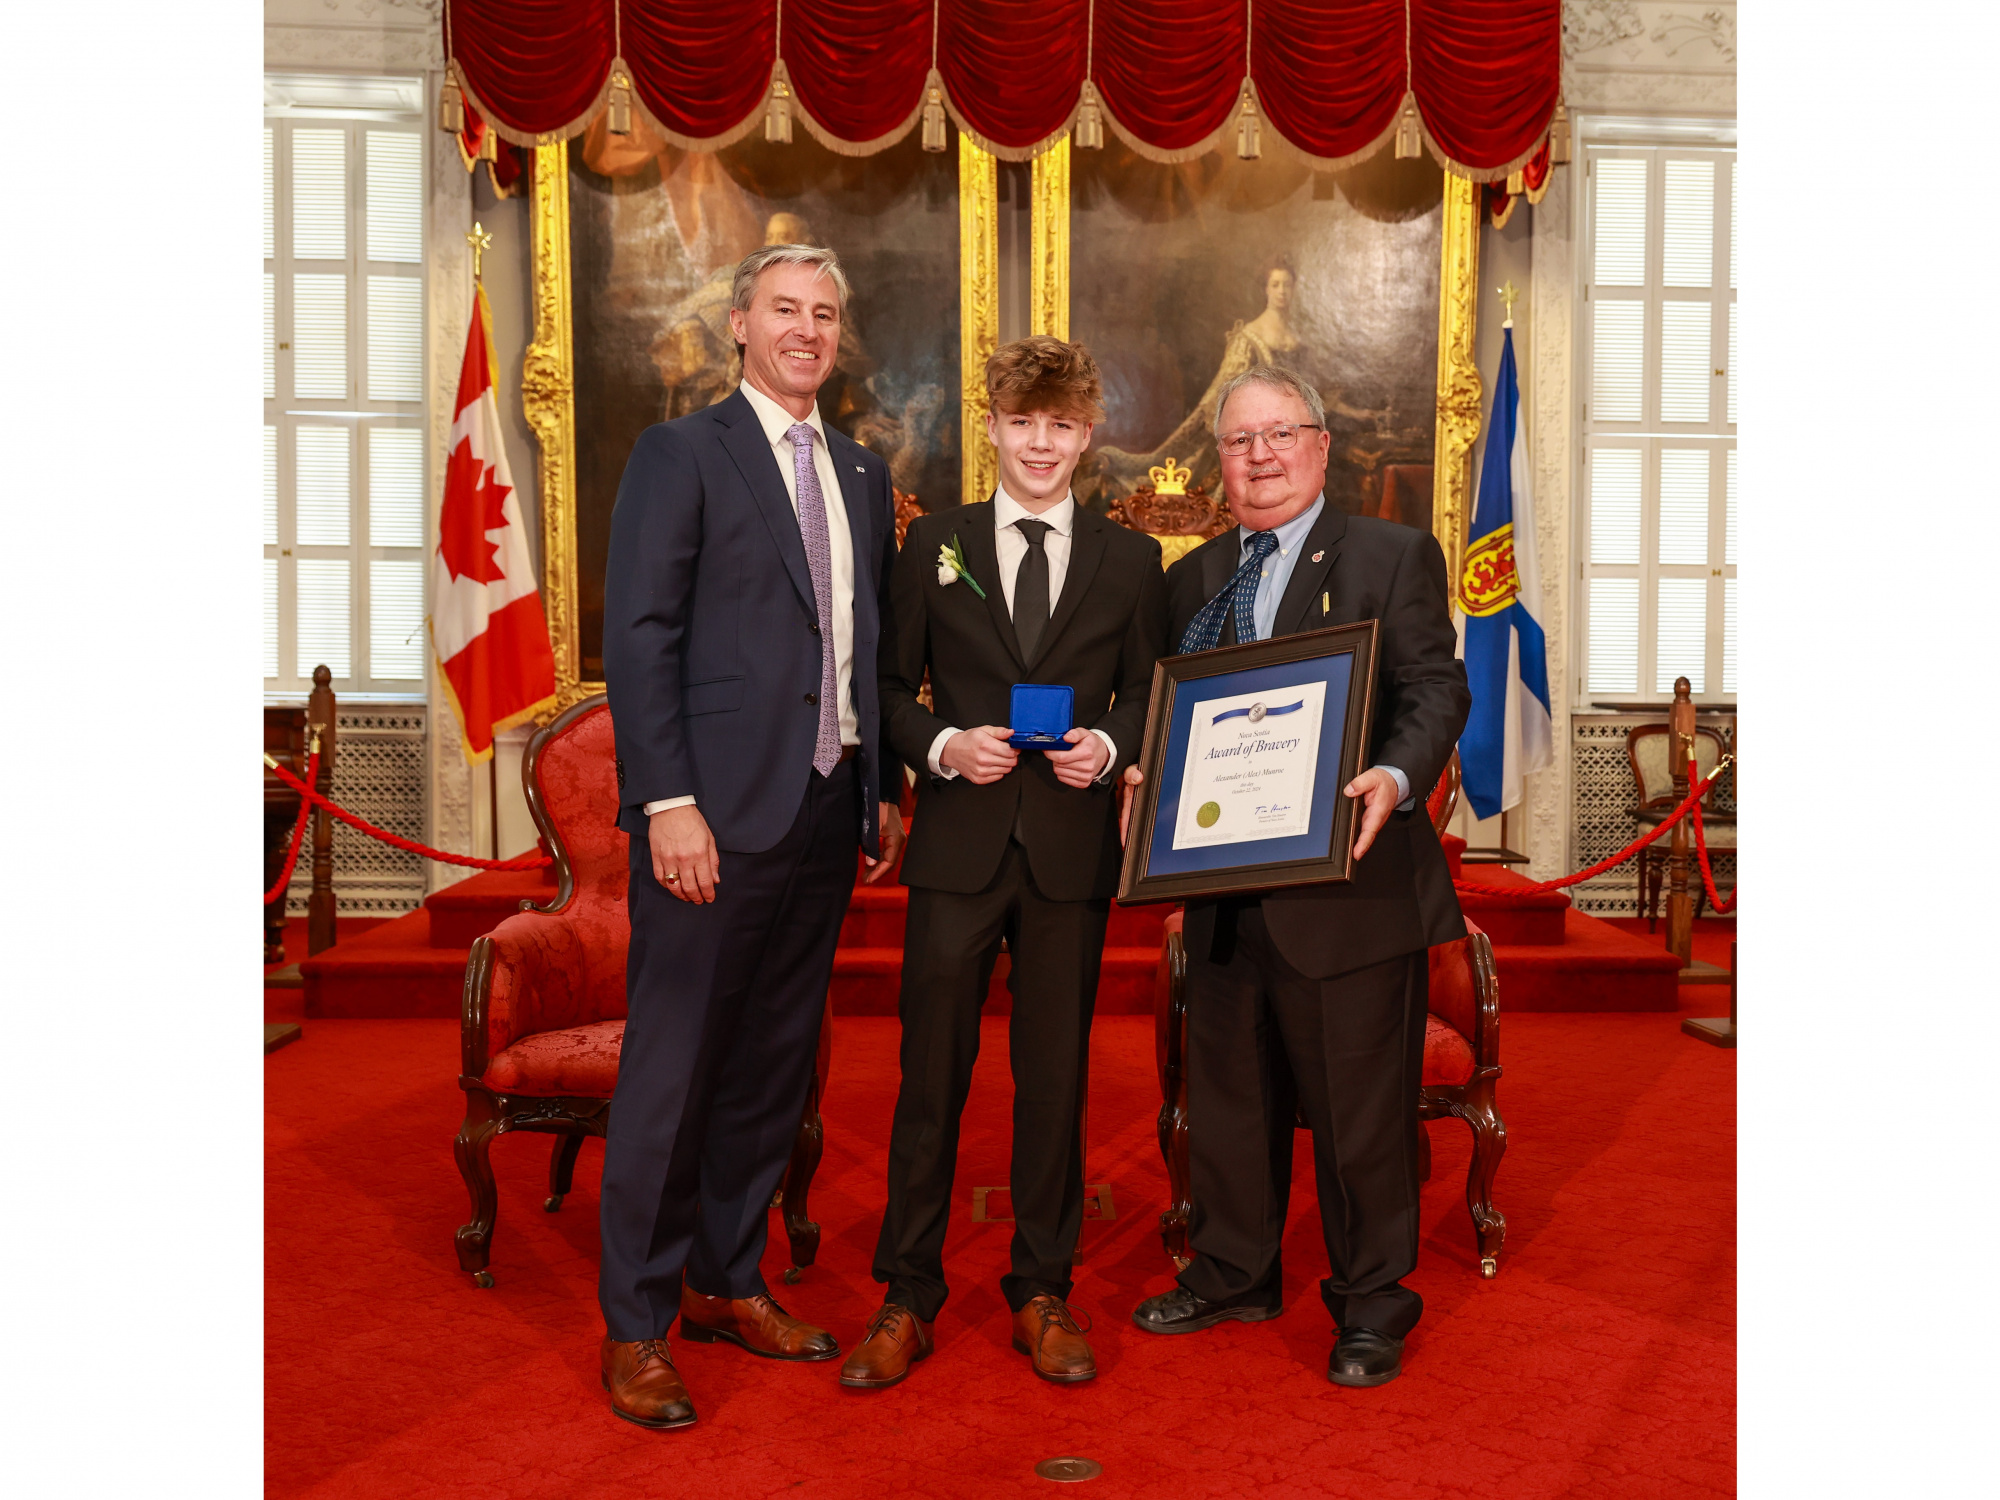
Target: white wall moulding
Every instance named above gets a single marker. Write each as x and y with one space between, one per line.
1646 58
360 34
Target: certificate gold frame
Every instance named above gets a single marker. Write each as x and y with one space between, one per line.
1138 882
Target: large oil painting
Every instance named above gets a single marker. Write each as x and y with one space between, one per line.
655 235
1184 274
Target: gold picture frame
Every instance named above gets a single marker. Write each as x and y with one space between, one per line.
548 365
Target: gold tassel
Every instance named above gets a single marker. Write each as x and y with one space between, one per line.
934 118
489 142
618 104
778 112
1516 184
1249 129
1409 130
1559 137
451 106
1089 132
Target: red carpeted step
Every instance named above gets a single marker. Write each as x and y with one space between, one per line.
1524 915
1595 967
392 972
866 982
876 916
474 907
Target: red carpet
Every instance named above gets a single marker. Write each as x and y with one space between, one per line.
1599 1362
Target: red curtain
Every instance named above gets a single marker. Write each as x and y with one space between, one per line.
1013 68
1487 75
858 66
1331 77
1330 74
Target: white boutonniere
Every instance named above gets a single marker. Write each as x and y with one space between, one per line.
951 566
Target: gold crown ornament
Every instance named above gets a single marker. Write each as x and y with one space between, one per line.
1169 479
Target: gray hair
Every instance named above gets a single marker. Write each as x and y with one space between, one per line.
760 260
1278 379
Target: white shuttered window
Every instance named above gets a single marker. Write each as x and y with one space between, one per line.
1659 423
343 413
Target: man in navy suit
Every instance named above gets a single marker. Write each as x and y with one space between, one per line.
749 567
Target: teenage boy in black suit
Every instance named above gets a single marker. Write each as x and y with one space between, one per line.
1016 845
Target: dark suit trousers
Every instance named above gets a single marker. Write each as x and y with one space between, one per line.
948 955
1264 1042
725 1002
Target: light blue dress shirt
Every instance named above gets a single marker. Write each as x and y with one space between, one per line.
1271 585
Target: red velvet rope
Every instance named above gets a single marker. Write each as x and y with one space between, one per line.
397 841
1707 876
298 834
1693 804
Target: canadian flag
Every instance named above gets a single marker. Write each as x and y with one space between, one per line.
487 625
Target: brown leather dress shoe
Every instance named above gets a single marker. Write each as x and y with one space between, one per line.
754 1323
897 1338
1045 1330
645 1387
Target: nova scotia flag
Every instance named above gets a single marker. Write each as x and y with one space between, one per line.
1507 733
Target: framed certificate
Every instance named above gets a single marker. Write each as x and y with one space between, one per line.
1246 751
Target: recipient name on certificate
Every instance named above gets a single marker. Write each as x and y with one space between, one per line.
1250 765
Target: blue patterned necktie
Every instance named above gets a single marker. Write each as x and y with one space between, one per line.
1239 595
819 563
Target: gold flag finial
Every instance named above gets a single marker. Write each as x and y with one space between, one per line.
481 240
1169 479
1508 295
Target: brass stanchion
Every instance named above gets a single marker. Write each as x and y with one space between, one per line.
1680 853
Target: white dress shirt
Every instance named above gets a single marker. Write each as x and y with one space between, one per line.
776 422
1011 546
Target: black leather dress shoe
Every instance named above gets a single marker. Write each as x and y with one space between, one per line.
1361 1356
1181 1311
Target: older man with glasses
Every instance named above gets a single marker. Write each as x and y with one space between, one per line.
1314 998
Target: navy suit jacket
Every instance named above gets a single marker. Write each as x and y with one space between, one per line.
711 636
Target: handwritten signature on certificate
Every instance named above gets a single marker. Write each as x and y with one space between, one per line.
1250 764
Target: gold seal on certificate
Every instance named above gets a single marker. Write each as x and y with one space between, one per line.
1251 760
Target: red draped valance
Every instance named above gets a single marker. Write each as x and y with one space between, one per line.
1171 77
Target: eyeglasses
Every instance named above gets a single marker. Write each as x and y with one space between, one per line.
1277 439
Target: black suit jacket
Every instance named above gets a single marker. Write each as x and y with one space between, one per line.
711 636
1102 638
1400 898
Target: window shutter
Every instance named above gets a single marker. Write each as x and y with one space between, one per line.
1614 505
270 486
1682 634
396 638
1684 506
1618 360
270 617
1729 509
395 338
1614 635
319 194
395 487
323 494
319 337
395 196
270 337
270 192
1685 349
1621 222
325 615
1729 635
1687 241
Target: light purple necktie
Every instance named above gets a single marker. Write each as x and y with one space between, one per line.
819 562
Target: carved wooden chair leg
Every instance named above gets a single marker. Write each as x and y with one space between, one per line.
1649 887
562 1168
1489 1144
793 1192
475 1139
1174 1151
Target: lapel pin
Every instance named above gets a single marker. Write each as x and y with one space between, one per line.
859 469
1319 554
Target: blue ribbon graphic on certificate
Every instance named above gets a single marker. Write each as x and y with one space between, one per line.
1251 759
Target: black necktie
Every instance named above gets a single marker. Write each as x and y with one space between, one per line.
1031 588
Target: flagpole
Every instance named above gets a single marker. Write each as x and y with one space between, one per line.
481 240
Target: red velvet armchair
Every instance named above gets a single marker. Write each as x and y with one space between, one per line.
1461 1064
544 1007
